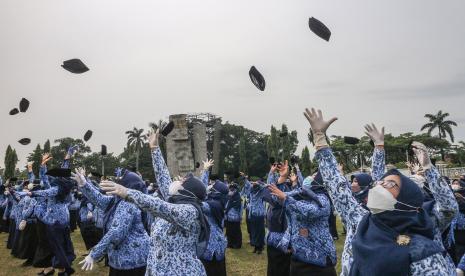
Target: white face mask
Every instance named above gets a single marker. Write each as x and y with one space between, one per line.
174 188
231 193
380 200
30 186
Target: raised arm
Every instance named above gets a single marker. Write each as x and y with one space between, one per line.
335 183
177 214
378 159
205 172
308 210
51 192
118 231
43 170
162 173
95 196
445 208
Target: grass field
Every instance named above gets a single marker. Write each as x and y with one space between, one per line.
239 262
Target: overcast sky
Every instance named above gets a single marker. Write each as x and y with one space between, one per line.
389 62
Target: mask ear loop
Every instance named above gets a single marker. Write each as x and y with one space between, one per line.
416 209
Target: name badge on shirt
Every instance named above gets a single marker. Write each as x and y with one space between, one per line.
303 232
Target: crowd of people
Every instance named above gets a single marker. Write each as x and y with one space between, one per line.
395 224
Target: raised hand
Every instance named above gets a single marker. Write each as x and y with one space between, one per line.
45 158
79 177
277 192
293 177
153 139
421 152
274 167
114 189
29 166
284 169
317 123
207 164
375 135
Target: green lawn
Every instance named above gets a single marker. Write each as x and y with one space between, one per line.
240 262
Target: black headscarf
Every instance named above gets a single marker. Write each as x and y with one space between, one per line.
375 247
65 185
216 199
364 181
234 201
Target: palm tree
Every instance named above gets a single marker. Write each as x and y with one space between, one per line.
162 142
436 121
136 140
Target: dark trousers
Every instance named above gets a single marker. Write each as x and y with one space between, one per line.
61 246
332 226
233 234
27 242
90 234
11 233
301 268
43 254
257 232
140 271
278 262
73 217
459 236
214 267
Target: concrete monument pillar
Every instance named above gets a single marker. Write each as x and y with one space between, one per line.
178 147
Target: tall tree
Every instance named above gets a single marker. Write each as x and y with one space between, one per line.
242 155
47 146
36 157
281 144
136 141
160 125
11 159
59 151
444 127
305 163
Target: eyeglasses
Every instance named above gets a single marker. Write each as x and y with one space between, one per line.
388 184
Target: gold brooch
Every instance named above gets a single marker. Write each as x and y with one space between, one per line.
403 240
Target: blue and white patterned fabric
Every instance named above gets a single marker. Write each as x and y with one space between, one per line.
378 164
352 213
28 209
84 211
126 242
272 178
308 233
233 215
175 230
256 204
217 242
75 203
56 212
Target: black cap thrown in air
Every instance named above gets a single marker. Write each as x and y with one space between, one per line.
257 79
104 150
24 141
88 135
14 111
351 140
319 28
167 129
75 66
23 105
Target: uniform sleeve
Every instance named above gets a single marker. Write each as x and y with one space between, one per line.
162 173
378 164
118 231
306 209
338 189
179 214
272 178
46 193
445 208
95 197
204 177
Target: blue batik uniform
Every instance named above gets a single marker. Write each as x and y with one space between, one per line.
175 231
126 242
352 213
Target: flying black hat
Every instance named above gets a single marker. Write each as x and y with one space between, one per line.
59 172
257 78
24 141
351 140
167 129
88 135
75 66
14 111
23 105
319 28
